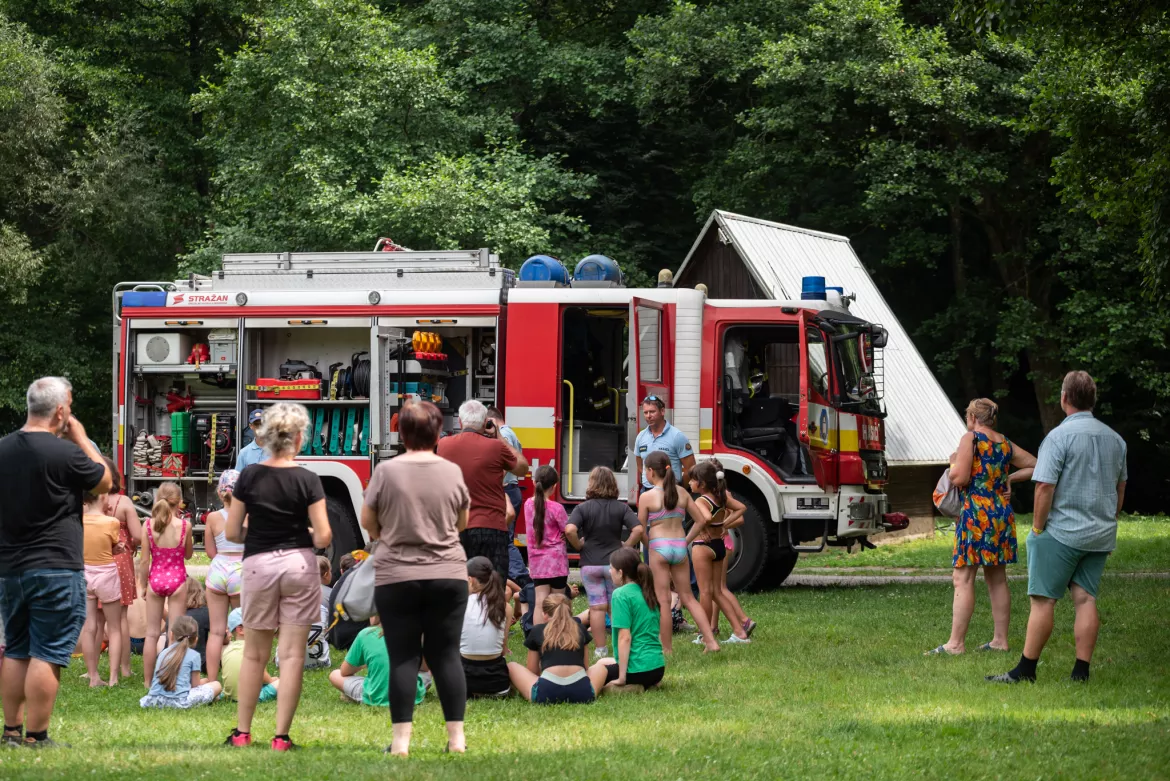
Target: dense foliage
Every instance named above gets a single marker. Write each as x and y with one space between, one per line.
1002 167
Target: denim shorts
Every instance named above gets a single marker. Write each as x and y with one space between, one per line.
43 610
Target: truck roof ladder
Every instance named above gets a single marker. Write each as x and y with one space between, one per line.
359 262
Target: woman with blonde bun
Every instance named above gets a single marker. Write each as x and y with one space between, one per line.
285 507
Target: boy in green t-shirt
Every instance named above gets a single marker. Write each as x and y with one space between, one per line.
233 656
369 651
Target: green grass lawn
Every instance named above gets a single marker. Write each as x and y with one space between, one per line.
834 684
1143 545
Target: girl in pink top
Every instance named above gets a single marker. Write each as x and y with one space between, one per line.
548 560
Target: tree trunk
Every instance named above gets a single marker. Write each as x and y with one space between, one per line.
1009 253
966 356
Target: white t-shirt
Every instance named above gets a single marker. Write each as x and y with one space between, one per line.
480 636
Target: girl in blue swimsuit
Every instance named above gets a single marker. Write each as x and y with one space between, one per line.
660 511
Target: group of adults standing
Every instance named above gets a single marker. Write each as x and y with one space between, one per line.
1079 476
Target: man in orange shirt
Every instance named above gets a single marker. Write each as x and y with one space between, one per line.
484 459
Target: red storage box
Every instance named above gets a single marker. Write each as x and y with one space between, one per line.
287 390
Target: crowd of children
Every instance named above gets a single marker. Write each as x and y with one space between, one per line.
628 619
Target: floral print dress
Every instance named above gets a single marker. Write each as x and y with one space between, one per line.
986 530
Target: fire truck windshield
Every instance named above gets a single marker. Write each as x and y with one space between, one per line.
852 356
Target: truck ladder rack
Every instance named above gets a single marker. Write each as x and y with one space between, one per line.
362 262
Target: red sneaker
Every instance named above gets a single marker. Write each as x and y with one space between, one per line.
237 739
283 744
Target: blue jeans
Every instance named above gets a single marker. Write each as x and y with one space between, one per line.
43 610
516 569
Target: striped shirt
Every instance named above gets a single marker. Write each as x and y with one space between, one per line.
1085 460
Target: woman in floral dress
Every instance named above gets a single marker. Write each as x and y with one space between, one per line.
985 533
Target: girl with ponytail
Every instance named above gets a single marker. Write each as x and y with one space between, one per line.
709 551
548 560
167 542
484 640
556 670
635 613
176 682
661 511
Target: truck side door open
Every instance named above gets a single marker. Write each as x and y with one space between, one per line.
762 393
648 348
593 383
818 419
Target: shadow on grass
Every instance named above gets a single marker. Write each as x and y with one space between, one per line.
860 745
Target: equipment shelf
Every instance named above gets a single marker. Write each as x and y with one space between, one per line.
184 369
313 402
411 366
158 479
346 457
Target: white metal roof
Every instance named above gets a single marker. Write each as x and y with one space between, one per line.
923 426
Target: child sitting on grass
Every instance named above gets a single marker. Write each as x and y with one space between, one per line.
369 651
233 656
176 682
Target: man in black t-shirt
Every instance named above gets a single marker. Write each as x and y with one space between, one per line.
44 468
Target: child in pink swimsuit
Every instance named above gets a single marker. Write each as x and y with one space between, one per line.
167 582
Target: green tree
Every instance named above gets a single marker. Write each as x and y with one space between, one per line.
893 124
555 72
1104 88
327 132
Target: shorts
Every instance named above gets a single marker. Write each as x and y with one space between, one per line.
137 644
673 549
490 543
43 612
486 677
717 546
558 583
647 678
198 695
1053 567
598 584
352 687
225 575
281 587
555 689
102 582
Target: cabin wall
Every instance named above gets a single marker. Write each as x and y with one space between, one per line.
911 490
719 267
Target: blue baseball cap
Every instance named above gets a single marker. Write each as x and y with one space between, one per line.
255 415
235 618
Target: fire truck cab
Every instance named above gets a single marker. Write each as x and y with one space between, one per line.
785 394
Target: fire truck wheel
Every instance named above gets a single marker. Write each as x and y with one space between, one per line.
342 522
752 543
779 567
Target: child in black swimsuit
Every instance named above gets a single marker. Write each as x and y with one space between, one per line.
709 550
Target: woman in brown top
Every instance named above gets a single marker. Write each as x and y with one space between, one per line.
416 505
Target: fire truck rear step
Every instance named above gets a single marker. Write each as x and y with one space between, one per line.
828 519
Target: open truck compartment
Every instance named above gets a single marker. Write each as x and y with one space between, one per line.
181 420
191 381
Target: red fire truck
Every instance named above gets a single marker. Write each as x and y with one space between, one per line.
785 394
